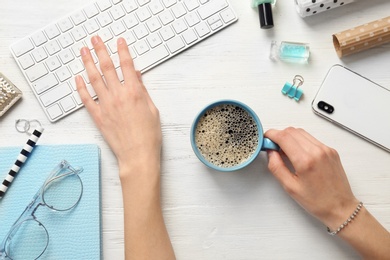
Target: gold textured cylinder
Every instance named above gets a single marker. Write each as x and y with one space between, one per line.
362 37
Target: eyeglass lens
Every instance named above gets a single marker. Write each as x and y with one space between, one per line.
64 192
29 241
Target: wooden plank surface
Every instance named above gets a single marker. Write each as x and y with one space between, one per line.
212 215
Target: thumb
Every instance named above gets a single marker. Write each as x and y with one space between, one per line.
280 171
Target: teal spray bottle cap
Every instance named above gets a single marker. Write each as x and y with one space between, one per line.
265 12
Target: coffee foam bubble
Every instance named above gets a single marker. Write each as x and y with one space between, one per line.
226 135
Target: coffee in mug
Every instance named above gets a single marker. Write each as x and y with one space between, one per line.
227 135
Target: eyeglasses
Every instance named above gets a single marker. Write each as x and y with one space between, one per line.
28 238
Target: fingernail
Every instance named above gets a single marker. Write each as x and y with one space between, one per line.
78 79
121 41
94 39
84 51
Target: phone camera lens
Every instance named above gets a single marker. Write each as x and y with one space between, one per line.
325 107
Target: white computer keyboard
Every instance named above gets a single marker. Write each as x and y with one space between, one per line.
155 30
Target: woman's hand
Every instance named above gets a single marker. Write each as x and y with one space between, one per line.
319 183
124 112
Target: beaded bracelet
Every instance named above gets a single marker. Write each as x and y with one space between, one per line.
332 233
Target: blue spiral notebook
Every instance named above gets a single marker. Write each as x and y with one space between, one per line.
74 234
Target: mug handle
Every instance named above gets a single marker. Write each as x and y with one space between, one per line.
269 145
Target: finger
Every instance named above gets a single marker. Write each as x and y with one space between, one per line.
126 62
86 98
280 171
94 76
139 76
106 64
287 141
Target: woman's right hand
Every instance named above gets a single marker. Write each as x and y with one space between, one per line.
319 183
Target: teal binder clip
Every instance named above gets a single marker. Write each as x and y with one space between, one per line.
293 90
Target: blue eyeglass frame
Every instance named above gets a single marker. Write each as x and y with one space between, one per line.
39 200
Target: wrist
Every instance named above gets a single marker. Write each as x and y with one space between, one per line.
133 168
340 213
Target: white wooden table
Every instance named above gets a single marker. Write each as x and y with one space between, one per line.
212 215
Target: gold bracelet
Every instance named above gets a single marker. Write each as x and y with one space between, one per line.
352 217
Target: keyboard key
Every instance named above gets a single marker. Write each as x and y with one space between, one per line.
129 37
78 33
166 17
118 28
72 83
140 31
154 40
211 8
143 14
115 60
65 24
129 5
55 94
216 25
37 71
228 15
39 38
189 36
117 12
192 19
52 31
141 47
53 63
66 56
104 19
63 73
130 21
103 4
191 4
178 10
26 61
143 2
67 103
91 26
39 54
52 47
156 7
22 47
77 98
179 26
105 34
202 29
169 3
151 58
54 111
91 10
153 24
76 67
45 83
77 47
91 91
65 40
78 17
112 44
175 44
167 33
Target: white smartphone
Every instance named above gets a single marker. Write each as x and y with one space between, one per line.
356 104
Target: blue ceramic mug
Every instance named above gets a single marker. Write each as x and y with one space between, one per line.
227 135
